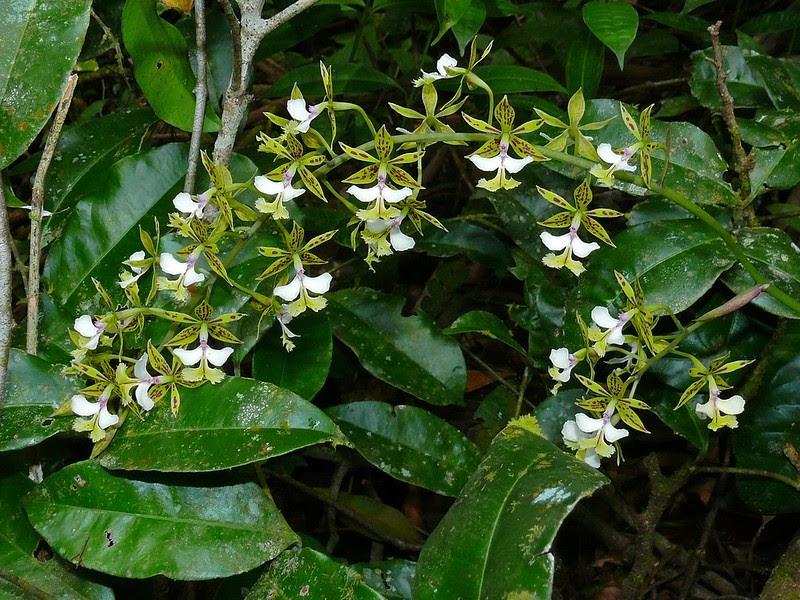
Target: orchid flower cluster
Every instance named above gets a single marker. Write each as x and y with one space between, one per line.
630 337
127 371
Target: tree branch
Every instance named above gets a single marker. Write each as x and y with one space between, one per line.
6 318
251 30
37 202
742 161
200 95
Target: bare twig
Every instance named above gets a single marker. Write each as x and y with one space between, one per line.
336 485
200 95
6 318
37 202
743 162
252 29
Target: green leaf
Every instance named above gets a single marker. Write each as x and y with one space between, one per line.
485 323
472 17
237 422
744 84
309 574
475 242
18 542
41 41
137 529
515 79
683 421
406 352
161 65
301 27
409 443
393 578
86 151
776 137
772 22
781 78
614 24
103 229
556 410
681 22
348 80
676 262
584 64
35 389
494 542
304 369
774 254
770 421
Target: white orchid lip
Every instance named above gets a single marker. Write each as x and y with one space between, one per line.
444 63
84 408
184 203
302 113
569 240
589 424
380 191
172 266
291 291
137 271
563 362
618 162
399 241
89 328
603 319
203 351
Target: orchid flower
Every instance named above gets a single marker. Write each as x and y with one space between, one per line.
284 318
379 193
90 329
126 278
593 437
146 380
97 417
183 202
563 362
721 411
443 65
576 439
282 190
203 354
399 241
606 329
187 275
571 245
617 162
297 292
502 163
302 113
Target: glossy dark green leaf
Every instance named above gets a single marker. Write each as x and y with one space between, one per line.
406 352
695 166
137 529
304 369
515 79
774 254
469 23
556 410
475 242
684 421
409 443
236 422
776 137
681 22
744 84
301 27
41 41
770 421
86 151
306 573
393 579
676 262
34 390
348 80
494 412
111 209
584 64
22 571
781 77
381 520
485 323
161 65
494 542
614 23
772 22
